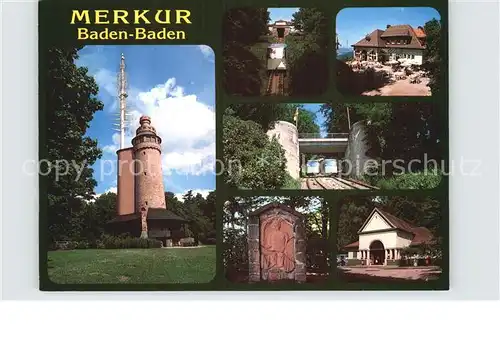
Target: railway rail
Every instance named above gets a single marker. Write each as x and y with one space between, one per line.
276 83
335 183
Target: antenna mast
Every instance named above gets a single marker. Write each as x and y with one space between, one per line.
122 97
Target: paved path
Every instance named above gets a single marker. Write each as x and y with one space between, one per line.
397 272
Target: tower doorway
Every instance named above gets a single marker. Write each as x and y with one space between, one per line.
281 32
377 253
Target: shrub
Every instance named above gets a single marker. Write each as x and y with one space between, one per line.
187 242
82 245
64 245
290 182
114 242
418 180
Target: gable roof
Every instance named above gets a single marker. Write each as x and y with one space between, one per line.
375 209
419 32
378 38
421 235
372 40
276 205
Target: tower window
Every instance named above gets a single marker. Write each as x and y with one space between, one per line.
146 203
144 152
144 173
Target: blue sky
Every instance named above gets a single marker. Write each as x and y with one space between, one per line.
175 86
283 13
354 23
320 119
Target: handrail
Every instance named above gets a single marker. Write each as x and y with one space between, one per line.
323 136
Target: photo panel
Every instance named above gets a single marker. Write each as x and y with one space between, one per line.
137 207
389 51
275 51
334 146
270 240
392 239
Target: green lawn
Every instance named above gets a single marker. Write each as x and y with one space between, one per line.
133 266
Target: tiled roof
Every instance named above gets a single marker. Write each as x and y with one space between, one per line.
378 38
419 32
421 235
163 214
400 30
352 245
372 40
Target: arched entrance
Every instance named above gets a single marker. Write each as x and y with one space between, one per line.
377 253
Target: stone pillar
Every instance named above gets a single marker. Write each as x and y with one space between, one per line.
253 250
276 244
368 258
300 251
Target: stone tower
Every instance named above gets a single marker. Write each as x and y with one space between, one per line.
149 190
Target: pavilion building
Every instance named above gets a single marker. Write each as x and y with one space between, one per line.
383 237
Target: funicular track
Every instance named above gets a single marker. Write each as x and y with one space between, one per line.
276 83
327 183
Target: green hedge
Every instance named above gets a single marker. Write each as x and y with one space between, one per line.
115 242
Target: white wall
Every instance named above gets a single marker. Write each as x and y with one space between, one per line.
404 239
277 53
388 239
376 222
417 60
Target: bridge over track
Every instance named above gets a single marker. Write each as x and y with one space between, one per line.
317 144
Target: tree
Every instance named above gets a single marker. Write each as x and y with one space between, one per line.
418 211
251 160
244 25
432 54
353 213
307 56
95 216
397 134
242 28
199 210
70 103
306 119
267 114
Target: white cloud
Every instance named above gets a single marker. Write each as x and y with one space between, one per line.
112 189
202 192
186 126
207 52
107 81
110 148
